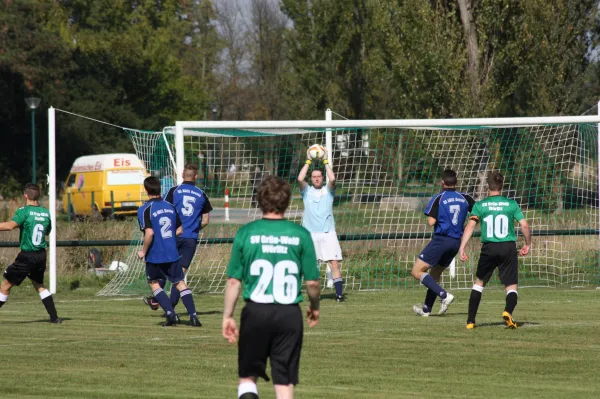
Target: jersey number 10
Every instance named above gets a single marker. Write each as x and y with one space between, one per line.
496 227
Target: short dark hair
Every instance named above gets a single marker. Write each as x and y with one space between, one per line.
317 170
32 191
274 195
152 185
190 170
495 181
449 177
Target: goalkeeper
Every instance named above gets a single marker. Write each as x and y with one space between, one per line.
318 218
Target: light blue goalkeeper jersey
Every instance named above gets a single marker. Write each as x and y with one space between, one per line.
318 209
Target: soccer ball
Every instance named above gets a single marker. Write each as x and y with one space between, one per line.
316 151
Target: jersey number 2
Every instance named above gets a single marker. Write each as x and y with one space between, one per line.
165 226
285 286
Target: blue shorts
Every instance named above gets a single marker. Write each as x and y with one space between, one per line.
170 270
187 249
440 251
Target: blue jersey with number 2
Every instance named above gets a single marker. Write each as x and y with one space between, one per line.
450 209
161 217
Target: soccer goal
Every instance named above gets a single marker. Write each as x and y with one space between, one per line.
386 171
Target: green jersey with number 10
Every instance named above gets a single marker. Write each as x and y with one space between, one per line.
34 222
497 215
270 257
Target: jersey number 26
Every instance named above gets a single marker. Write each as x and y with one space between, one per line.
285 286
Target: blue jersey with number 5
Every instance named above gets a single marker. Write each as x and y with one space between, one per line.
191 203
449 208
161 217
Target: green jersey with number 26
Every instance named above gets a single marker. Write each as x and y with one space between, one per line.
34 222
270 257
497 215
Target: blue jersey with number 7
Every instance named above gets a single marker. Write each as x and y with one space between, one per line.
449 208
191 203
161 217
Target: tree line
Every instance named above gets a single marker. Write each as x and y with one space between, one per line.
147 63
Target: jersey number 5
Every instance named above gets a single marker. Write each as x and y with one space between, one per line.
188 205
285 286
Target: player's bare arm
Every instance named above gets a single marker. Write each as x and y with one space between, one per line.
148 237
8 226
179 231
313 289
431 221
329 171
302 175
527 234
205 221
330 177
232 292
465 239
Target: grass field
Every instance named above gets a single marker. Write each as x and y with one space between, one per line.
372 346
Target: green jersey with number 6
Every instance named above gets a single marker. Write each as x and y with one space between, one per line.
270 257
497 215
34 223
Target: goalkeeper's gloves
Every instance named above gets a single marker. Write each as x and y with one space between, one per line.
325 161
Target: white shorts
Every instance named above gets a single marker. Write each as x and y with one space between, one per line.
327 246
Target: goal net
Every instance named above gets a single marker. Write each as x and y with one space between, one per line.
386 172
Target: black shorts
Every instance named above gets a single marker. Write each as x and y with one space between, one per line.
270 331
27 264
502 255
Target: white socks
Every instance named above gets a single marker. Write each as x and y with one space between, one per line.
247 387
45 294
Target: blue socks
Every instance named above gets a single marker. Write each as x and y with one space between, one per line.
188 302
430 283
429 301
337 283
174 295
163 301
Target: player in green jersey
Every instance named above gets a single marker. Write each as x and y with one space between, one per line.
270 257
34 224
497 215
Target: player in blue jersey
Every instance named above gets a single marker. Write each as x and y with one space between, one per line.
160 251
193 208
446 212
